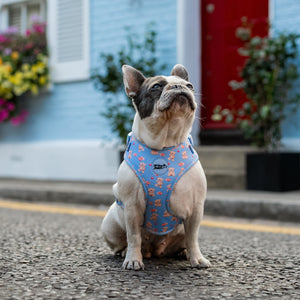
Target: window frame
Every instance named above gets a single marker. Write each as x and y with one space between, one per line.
5 4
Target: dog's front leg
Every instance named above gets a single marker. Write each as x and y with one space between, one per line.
191 226
134 219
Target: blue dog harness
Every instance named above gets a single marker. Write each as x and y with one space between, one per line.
159 171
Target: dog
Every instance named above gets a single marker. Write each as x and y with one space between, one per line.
161 186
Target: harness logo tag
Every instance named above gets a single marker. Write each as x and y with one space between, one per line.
160 166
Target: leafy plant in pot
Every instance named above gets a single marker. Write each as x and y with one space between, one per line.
267 79
138 52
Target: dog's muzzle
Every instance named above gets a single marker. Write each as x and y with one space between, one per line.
178 95
184 98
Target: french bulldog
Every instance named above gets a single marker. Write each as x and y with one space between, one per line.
161 186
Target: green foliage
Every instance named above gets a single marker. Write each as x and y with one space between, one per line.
267 79
138 52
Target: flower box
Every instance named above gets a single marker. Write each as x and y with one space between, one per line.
277 172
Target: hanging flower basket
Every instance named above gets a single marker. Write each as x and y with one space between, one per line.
23 69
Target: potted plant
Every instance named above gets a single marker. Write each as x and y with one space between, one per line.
23 69
267 79
138 52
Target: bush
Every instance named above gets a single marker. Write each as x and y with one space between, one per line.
267 79
138 52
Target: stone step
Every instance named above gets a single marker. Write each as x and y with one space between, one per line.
223 157
225 179
224 166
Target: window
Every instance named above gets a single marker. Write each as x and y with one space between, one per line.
67 32
21 14
14 17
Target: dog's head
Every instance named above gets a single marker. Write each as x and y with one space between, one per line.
165 105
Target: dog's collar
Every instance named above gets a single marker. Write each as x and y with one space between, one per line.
131 137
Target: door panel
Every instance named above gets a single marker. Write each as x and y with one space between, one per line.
220 59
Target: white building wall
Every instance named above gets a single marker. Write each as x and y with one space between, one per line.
64 136
285 18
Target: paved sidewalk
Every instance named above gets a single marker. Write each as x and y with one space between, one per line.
231 203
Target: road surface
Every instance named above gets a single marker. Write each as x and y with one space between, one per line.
57 252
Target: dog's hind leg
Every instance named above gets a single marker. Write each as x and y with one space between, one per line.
174 247
112 231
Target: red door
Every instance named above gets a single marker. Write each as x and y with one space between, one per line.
220 59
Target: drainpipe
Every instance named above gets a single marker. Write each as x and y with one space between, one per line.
189 49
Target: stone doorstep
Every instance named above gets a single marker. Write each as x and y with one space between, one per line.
223 157
224 179
224 166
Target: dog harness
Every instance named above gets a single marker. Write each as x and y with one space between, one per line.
159 171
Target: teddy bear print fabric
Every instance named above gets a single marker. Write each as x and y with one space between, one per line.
158 172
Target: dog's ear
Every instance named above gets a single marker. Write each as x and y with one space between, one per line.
180 71
133 80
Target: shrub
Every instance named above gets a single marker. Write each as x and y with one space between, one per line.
267 79
138 52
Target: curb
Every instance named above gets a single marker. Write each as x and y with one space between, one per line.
90 198
227 203
275 210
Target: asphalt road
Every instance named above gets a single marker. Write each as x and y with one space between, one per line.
61 255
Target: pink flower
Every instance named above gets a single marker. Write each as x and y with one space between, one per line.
39 28
35 19
10 106
3 115
28 32
29 46
15 121
2 39
12 30
19 119
2 101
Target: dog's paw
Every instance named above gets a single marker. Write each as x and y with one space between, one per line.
200 263
133 265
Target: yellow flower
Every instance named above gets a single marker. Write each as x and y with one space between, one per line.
18 91
5 69
12 79
16 79
14 55
28 75
34 89
5 93
8 68
6 84
25 67
39 67
25 87
43 58
19 78
42 80
1 61
34 68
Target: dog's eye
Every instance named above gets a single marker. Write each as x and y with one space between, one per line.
190 86
156 86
